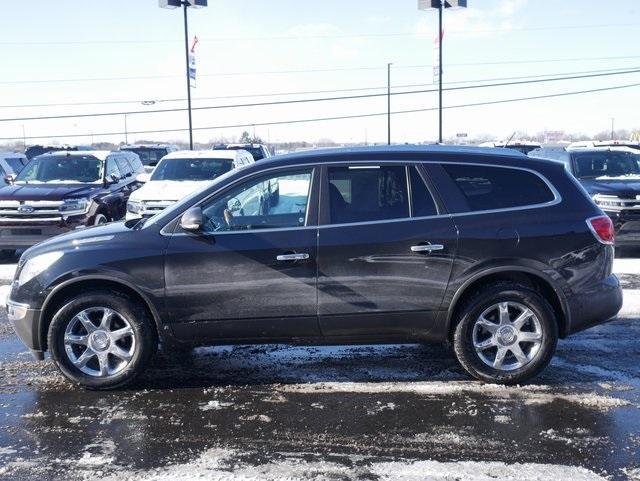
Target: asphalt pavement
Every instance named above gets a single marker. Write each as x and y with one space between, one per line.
402 412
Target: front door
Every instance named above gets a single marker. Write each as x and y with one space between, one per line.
385 252
251 272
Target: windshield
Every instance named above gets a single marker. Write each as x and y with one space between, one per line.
191 169
256 152
148 156
62 169
606 164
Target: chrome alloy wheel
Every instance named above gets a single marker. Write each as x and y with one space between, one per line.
99 341
507 336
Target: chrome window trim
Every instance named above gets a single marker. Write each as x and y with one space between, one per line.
557 197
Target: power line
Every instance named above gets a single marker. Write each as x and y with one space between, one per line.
312 70
342 117
305 92
310 100
311 37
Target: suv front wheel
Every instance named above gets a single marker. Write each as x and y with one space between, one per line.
102 339
506 334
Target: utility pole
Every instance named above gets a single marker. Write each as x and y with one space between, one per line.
126 132
389 103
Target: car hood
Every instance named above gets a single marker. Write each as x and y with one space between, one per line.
53 192
74 240
170 190
620 186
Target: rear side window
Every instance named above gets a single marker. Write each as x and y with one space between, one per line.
489 188
365 194
423 204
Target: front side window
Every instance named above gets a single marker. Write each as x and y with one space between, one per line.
490 188
191 169
365 194
124 166
279 201
113 171
60 169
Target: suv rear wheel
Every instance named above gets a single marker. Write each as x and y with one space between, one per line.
102 339
507 334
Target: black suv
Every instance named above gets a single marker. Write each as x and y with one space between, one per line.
611 176
494 252
62 191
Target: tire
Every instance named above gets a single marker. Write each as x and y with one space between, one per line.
100 219
128 319
540 329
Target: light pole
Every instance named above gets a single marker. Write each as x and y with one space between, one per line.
171 4
613 120
440 5
126 133
389 103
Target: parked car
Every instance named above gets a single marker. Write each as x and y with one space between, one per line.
150 154
611 176
180 173
259 151
496 253
590 144
520 145
35 150
61 191
11 163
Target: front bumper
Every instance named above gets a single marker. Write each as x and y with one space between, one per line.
26 324
597 305
26 233
627 227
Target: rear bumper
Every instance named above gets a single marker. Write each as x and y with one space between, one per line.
597 305
26 324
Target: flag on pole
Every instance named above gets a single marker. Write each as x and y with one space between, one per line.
192 62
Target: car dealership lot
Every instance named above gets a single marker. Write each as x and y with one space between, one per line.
355 412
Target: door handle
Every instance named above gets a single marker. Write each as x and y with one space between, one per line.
427 248
292 257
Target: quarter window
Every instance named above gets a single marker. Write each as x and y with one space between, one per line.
270 202
489 188
365 194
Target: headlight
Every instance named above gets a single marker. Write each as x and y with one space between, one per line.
75 206
37 265
135 207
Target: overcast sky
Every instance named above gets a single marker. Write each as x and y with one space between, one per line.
54 52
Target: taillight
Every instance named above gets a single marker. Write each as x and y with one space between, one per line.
602 228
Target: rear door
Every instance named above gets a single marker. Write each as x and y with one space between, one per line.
386 249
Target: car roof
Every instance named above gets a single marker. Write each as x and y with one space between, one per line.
11 154
146 146
98 154
205 154
605 148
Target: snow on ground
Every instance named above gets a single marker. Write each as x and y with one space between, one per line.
221 464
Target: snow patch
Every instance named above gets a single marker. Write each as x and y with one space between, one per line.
227 465
215 405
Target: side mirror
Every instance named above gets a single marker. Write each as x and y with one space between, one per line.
192 220
143 178
10 178
234 205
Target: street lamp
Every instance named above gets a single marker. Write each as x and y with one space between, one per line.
171 4
440 5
